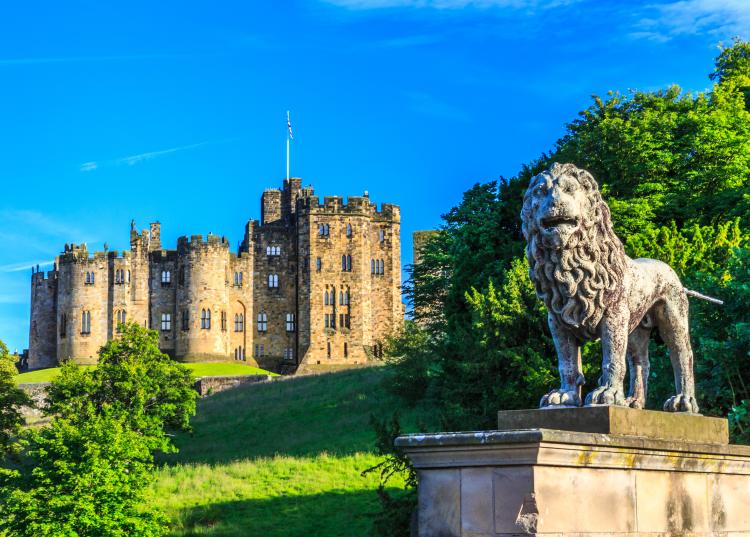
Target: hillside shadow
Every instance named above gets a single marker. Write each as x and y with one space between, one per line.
331 514
298 416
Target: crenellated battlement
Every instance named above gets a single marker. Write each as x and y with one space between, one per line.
198 244
40 276
164 256
355 205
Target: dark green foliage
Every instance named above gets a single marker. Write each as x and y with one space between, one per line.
11 401
397 510
87 472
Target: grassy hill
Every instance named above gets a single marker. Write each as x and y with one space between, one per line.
279 459
198 369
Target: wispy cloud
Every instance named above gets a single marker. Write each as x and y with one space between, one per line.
720 18
143 157
24 265
449 4
91 59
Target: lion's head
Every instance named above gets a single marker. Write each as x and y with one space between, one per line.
576 260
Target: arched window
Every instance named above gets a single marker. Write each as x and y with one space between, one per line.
238 279
318 264
268 250
346 297
86 322
348 263
325 298
372 266
206 319
273 281
262 322
341 298
349 230
343 262
239 322
382 267
166 277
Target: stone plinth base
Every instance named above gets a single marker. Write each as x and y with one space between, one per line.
564 483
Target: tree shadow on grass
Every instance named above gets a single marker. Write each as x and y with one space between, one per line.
330 514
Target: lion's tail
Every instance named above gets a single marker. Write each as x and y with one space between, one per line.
696 294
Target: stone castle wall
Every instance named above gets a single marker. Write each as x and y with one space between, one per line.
266 303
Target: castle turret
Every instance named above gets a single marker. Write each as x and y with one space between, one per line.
43 326
270 206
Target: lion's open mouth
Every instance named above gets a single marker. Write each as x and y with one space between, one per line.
552 222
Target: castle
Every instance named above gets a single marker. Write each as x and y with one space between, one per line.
312 286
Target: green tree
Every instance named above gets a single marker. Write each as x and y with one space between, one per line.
133 378
87 473
12 399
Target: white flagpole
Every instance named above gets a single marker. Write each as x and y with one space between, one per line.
288 122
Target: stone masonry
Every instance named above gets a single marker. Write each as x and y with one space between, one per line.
312 285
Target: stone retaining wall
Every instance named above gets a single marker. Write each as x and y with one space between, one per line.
211 385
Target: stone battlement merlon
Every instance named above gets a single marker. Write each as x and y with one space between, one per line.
164 256
42 276
356 205
198 243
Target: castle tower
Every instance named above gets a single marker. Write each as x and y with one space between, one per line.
43 326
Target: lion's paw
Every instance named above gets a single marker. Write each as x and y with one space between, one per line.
560 398
606 395
634 402
681 403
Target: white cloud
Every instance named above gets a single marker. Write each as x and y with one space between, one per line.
142 157
721 18
24 265
449 4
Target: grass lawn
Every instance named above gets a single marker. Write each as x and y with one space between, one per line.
279 459
198 369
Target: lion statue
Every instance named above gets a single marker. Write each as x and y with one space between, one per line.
592 290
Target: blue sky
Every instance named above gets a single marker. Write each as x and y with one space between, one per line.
175 110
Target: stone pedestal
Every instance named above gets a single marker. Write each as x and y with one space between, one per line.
629 472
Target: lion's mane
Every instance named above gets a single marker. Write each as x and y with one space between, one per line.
580 281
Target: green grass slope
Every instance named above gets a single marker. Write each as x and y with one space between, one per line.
199 370
279 459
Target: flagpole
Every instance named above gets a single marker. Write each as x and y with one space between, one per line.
288 133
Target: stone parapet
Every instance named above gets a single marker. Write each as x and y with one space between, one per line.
564 483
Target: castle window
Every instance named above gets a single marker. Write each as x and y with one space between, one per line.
372 266
180 278
349 230
289 354
128 281
273 250
290 322
318 264
329 349
323 230
239 322
325 298
262 322
238 279
89 278
86 322
206 319
223 321
120 321
346 263
330 321
382 267
382 235
346 350
166 278
273 281
166 322
185 320
259 351
63 325
343 262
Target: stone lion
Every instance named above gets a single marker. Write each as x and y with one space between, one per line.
592 290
